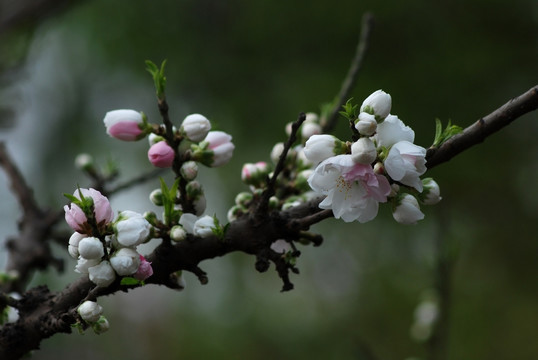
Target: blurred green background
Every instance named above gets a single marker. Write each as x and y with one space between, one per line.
251 67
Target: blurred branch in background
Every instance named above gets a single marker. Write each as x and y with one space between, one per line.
29 12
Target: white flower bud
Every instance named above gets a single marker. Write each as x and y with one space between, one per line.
83 265
156 197
125 261
309 129
189 170
102 274
90 311
408 210
195 127
154 139
101 325
91 248
321 147
366 125
431 194
83 161
311 117
132 228
74 240
187 220
363 151
378 104
276 152
199 204
177 233
204 226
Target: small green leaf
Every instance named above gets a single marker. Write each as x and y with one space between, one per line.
128 281
158 77
350 110
441 135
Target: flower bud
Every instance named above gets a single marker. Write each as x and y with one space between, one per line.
193 189
124 125
310 128
195 127
101 325
366 125
255 174
131 229
311 117
91 248
75 217
90 311
199 204
83 265
144 269
125 261
102 274
203 227
377 104
221 145
321 147
363 151
235 212
161 155
407 210
187 220
177 233
154 139
431 194
156 197
281 246
189 170
276 152
74 240
301 182
243 198
84 162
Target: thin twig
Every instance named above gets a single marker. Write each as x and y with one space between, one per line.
351 78
262 206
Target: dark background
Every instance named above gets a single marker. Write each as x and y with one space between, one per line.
251 67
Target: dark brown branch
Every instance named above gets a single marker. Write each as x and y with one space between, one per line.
483 128
351 78
29 250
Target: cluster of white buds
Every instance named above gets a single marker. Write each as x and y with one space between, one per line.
105 248
92 314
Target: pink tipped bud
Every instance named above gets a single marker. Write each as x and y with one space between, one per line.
124 124
161 155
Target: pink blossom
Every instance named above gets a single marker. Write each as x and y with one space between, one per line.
101 206
144 269
161 155
353 190
124 124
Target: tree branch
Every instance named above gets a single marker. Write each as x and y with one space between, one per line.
351 78
483 128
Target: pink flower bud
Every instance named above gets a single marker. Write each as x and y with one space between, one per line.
161 155
101 206
75 217
144 269
124 124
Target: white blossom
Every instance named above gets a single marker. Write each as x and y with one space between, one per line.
132 228
378 104
405 163
203 227
91 248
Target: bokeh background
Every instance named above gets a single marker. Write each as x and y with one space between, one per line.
251 67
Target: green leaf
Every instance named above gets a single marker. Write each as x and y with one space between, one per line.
441 135
350 111
158 77
128 281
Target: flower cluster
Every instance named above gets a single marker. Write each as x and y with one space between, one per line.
106 248
382 165
211 148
